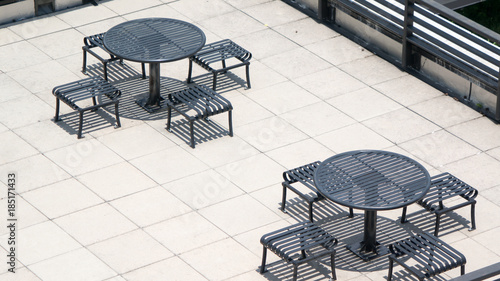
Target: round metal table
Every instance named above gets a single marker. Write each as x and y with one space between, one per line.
371 180
154 41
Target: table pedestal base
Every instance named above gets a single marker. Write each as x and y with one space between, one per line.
151 108
153 102
369 248
360 250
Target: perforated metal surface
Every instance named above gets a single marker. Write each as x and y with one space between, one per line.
154 40
372 180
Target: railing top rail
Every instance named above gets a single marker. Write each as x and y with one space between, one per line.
480 274
461 20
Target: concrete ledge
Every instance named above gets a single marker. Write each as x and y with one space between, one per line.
17 11
26 9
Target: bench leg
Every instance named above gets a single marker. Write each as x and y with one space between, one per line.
117 115
80 125
56 117
311 219
283 200
214 82
248 76
263 265
462 269
472 216
332 265
230 123
436 227
403 216
143 71
191 132
105 63
351 213
190 71
94 101
84 67
295 269
224 65
169 117
389 274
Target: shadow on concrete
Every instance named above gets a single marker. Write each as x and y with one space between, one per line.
335 220
133 87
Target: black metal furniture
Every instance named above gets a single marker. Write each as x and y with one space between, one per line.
291 244
221 51
196 103
446 187
304 175
94 41
82 90
154 41
430 255
371 180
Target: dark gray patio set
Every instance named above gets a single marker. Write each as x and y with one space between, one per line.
155 41
368 180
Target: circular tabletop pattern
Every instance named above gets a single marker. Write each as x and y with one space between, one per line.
372 180
154 40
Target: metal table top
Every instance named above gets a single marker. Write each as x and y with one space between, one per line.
372 180
154 40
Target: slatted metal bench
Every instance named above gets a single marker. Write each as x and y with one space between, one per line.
94 41
291 244
304 175
79 91
431 255
445 187
201 102
221 51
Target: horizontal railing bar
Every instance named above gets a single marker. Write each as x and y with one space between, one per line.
460 20
480 274
388 25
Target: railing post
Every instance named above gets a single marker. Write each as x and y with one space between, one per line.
322 10
497 111
406 59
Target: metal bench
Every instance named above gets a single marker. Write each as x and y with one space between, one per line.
430 255
291 244
96 40
304 175
201 102
79 91
220 51
444 187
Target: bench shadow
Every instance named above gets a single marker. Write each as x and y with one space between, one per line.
133 87
449 223
204 130
225 82
92 121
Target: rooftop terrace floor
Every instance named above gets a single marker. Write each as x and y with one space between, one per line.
137 203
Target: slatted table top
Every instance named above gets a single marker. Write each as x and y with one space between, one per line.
154 40
372 180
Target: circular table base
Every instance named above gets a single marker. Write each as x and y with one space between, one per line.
358 248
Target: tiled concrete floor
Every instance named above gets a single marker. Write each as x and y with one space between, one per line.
137 203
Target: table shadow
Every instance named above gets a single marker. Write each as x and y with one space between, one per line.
129 81
335 220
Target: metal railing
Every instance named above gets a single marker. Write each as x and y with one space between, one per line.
480 274
5 2
428 29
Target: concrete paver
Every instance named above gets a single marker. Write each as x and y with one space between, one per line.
137 203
